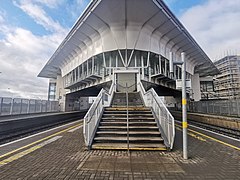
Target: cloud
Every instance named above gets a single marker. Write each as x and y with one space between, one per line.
22 56
76 8
215 26
170 2
1 18
38 14
23 53
50 3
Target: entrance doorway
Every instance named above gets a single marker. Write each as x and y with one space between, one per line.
126 79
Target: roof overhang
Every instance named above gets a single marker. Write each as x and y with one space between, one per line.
122 19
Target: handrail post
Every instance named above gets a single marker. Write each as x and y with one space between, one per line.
127 119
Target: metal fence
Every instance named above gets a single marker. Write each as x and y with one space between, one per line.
13 106
216 107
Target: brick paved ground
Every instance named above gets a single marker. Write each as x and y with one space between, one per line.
67 158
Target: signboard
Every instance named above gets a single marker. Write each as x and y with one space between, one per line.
179 84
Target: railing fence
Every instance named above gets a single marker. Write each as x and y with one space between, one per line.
216 107
92 118
14 106
162 114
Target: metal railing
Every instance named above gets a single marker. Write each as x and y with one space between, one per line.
14 106
164 118
216 107
127 89
121 88
93 116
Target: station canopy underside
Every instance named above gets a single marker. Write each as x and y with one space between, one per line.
108 25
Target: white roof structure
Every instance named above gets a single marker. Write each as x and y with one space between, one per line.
146 25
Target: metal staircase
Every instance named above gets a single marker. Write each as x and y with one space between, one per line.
132 128
129 121
120 100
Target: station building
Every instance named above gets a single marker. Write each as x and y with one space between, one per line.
125 42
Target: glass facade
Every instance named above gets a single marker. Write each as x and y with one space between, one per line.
52 91
103 65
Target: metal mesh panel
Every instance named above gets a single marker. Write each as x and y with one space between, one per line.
44 106
16 107
1 105
48 105
24 106
31 106
216 107
6 106
54 105
9 106
38 106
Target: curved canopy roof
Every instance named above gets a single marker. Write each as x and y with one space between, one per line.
134 24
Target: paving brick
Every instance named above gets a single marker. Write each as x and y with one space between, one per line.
68 158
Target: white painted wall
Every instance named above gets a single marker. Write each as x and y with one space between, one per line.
196 87
60 93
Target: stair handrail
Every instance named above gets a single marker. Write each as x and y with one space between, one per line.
127 117
109 95
164 118
127 106
94 114
125 87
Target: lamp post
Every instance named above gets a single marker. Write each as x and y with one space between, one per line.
184 98
12 101
184 107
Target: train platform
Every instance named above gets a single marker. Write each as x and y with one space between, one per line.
60 153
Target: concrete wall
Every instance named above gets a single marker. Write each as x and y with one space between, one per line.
196 87
60 93
225 122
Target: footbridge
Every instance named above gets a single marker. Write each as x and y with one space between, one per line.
124 50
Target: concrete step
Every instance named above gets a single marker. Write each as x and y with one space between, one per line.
124 106
124 128
143 130
129 120
129 115
131 139
134 99
125 112
119 123
130 108
131 133
124 146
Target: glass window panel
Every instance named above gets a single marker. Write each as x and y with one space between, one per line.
145 57
99 63
138 58
119 60
132 60
77 73
107 58
163 65
123 51
80 71
129 51
73 72
154 62
113 58
90 66
85 68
